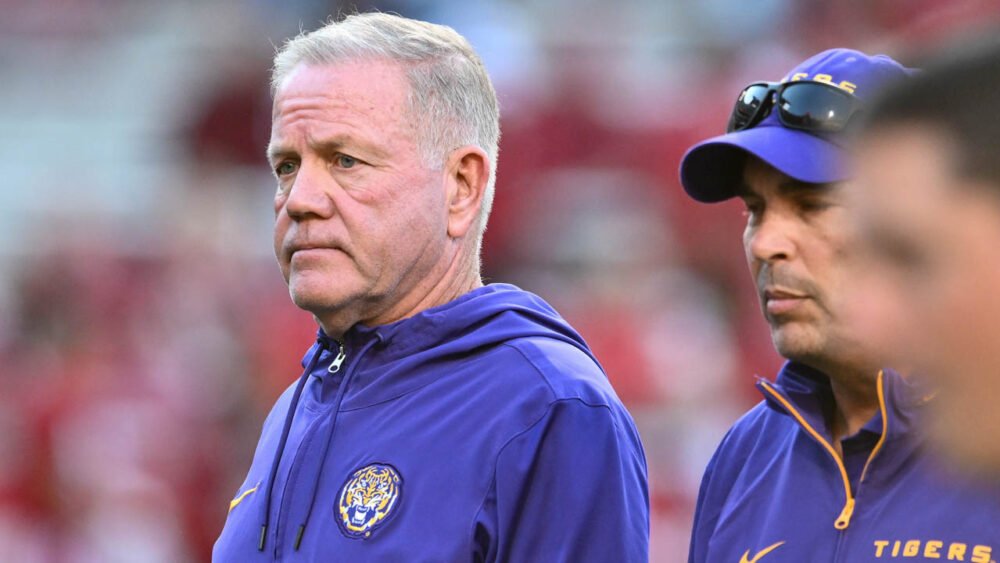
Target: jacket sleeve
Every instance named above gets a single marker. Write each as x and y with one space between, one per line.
571 488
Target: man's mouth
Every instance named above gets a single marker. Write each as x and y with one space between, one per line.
306 250
778 301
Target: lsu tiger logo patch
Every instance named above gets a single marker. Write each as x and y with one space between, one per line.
368 498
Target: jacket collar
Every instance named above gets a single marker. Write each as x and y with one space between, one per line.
808 391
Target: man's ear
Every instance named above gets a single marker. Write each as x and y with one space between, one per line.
467 173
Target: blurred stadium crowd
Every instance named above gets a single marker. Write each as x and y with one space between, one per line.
144 327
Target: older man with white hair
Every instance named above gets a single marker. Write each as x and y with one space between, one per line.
437 419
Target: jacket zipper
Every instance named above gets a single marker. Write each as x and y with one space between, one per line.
844 518
338 361
879 385
334 367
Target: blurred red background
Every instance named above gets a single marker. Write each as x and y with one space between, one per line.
144 327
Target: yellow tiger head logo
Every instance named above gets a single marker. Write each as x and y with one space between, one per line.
367 499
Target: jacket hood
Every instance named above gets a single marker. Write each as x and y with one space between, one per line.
485 317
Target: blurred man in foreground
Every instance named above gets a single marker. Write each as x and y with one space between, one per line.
827 467
929 204
437 419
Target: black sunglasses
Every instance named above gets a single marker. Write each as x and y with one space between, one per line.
816 107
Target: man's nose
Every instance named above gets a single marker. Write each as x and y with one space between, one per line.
771 239
310 194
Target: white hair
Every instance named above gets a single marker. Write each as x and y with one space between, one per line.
451 97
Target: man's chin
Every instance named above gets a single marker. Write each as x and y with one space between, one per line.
318 300
965 449
794 340
963 427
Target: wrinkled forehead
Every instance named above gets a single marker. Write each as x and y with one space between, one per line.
372 85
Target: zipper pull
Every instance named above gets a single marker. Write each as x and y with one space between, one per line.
298 536
844 519
338 361
263 536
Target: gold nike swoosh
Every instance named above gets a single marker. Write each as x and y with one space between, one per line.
239 499
760 553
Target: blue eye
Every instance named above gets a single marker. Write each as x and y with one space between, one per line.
345 161
285 168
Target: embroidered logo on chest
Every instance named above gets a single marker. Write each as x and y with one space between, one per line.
368 499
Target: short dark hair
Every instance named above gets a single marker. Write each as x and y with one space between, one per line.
957 94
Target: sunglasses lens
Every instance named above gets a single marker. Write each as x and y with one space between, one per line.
815 107
747 106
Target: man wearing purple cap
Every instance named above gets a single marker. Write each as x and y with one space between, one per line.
829 467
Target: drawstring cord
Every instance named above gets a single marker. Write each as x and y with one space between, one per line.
284 438
334 368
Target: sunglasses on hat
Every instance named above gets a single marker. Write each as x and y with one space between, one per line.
816 107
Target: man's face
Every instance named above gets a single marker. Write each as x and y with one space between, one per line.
360 220
933 244
797 249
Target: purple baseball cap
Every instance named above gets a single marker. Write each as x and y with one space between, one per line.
711 170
